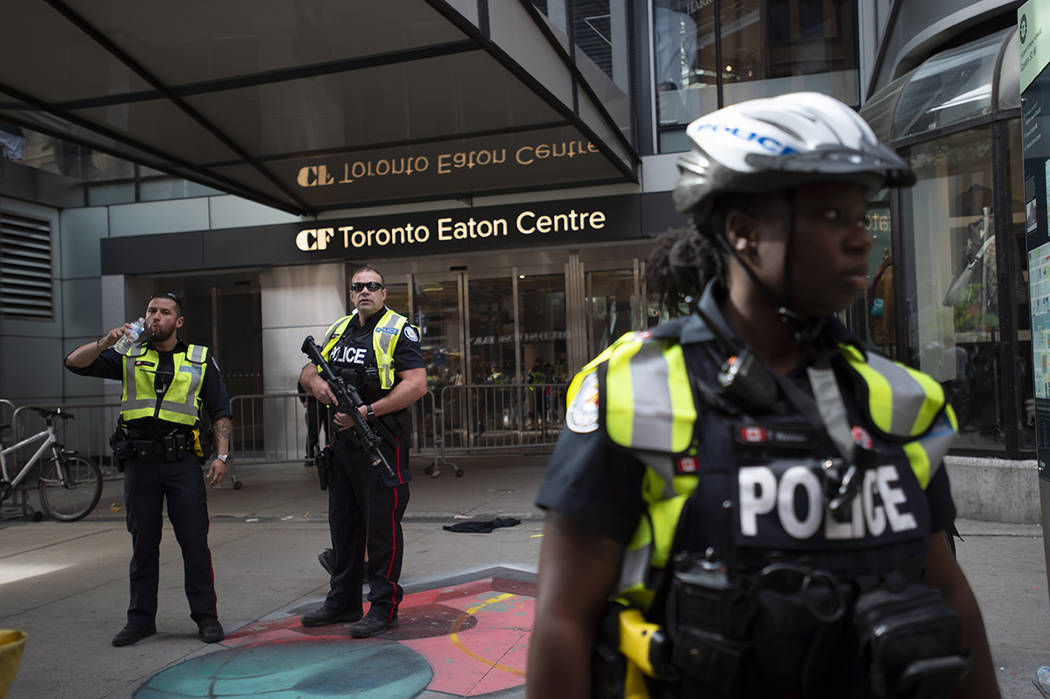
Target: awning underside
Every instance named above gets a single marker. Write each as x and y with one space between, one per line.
312 105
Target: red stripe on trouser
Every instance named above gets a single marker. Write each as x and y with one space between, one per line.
393 552
211 569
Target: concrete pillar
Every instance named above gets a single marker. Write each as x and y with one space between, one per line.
296 302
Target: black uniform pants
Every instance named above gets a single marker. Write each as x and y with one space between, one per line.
147 485
364 511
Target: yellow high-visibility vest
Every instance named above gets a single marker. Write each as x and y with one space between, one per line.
649 409
181 401
384 340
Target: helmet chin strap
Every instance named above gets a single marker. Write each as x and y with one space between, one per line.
805 329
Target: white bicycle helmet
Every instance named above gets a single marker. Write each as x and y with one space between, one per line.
781 142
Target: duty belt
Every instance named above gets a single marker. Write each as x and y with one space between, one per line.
170 447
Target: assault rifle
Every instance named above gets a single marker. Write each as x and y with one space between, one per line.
348 401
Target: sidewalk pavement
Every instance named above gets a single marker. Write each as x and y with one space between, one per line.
66 584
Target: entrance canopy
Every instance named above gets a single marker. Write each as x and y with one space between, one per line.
312 105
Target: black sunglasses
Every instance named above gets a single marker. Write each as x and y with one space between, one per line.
360 286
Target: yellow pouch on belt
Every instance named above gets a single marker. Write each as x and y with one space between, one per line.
12 643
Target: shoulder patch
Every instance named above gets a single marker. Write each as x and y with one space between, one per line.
582 413
411 333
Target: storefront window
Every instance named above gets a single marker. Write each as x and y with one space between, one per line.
950 280
768 47
1019 286
950 87
491 329
435 310
871 317
610 307
543 327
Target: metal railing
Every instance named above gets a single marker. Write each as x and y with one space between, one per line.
272 427
88 434
488 417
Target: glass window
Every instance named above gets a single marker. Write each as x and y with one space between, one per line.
950 279
435 311
950 87
103 194
684 62
610 307
172 188
1020 289
543 324
768 47
491 328
872 316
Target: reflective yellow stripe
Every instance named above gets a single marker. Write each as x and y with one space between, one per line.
334 332
665 515
931 404
681 399
950 412
880 394
920 462
181 401
383 344
589 367
619 403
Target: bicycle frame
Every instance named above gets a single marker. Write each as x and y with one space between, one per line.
48 435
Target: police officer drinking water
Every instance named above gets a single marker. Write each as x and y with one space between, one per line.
166 383
376 351
746 501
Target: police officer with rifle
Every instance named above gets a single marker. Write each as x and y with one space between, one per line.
746 501
370 370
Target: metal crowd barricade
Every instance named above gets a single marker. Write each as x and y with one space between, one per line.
87 435
269 427
273 427
7 410
501 417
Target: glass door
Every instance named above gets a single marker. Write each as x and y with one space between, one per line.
437 313
491 318
611 306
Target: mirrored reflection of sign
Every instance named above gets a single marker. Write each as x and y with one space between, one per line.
518 160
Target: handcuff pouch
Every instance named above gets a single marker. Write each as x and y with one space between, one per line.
120 443
909 641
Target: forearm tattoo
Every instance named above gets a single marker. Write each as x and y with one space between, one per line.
223 429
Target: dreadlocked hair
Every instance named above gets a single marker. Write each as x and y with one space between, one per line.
680 265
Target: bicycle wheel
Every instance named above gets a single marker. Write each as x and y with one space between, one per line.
73 497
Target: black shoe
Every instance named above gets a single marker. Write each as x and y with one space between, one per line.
210 630
323 616
133 633
325 559
373 624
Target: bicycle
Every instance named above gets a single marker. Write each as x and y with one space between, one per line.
70 485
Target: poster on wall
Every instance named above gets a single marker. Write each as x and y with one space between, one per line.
1033 29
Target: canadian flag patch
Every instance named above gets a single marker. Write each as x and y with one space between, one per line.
688 464
752 434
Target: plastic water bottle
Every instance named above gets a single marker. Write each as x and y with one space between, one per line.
125 343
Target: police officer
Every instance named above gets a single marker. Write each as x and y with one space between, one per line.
166 382
377 351
744 501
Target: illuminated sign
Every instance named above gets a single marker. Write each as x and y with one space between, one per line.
406 234
447 227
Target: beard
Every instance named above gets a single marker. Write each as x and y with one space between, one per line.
160 335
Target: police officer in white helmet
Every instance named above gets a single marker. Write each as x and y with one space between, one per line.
747 502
